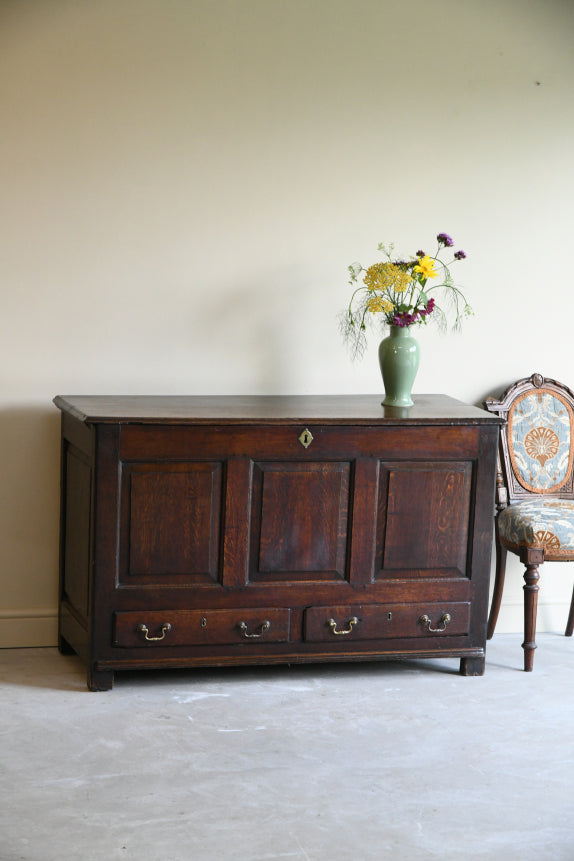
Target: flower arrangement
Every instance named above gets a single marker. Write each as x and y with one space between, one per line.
399 290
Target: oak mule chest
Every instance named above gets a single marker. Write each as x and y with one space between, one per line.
212 531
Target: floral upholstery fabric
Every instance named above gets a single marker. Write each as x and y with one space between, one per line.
539 522
541 440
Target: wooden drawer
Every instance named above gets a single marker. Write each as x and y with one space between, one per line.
200 627
385 621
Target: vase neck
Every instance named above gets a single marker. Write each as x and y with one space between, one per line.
400 331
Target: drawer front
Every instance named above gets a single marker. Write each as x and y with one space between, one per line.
384 621
201 627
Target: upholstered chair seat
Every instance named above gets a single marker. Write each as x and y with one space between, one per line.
539 522
535 490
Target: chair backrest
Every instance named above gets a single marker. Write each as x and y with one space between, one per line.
537 439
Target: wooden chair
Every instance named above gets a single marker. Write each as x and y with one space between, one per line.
535 490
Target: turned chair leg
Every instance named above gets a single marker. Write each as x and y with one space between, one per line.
531 578
570 623
498 587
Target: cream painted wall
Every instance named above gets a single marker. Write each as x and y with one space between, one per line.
184 182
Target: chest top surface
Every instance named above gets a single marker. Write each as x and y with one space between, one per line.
433 409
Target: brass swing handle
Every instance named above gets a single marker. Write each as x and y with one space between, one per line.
263 627
333 626
443 622
143 629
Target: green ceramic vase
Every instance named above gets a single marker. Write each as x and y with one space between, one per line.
399 358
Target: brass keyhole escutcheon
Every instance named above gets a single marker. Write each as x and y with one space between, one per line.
306 438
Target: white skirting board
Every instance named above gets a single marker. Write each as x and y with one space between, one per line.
28 628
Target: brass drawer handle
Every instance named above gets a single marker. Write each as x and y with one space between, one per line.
333 627
444 620
263 627
143 629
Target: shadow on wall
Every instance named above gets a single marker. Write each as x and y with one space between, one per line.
494 392
249 335
29 513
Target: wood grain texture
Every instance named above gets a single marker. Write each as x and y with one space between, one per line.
338 409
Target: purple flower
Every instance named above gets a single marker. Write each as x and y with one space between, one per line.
429 308
399 320
420 254
459 255
405 319
444 239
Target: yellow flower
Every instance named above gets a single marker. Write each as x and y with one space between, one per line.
386 276
426 267
379 303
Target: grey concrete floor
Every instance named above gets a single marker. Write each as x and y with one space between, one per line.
350 761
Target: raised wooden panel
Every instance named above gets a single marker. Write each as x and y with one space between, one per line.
423 518
171 522
300 515
76 557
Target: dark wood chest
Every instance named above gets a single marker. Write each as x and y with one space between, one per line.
211 531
